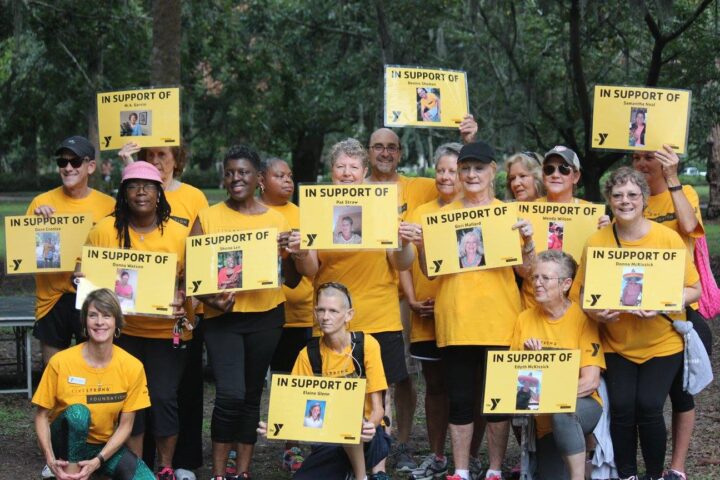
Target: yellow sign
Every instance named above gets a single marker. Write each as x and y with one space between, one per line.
349 217
530 382
470 239
149 117
425 97
634 279
144 282
316 409
231 261
561 226
639 118
35 244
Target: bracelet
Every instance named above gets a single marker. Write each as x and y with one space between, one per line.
676 188
100 457
529 247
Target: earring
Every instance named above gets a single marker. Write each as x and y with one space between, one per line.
117 332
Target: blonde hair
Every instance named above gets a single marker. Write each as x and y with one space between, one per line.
529 161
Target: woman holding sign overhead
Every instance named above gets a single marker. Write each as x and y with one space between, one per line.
475 312
678 207
643 351
558 323
142 222
242 328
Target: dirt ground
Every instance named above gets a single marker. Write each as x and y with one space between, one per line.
21 458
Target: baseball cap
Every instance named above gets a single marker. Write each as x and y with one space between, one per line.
566 154
80 146
141 171
480 151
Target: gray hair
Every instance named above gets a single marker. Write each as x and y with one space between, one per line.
623 175
351 148
451 148
475 232
567 264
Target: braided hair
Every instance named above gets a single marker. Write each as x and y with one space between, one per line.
122 213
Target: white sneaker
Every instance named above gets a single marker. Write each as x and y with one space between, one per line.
182 474
47 473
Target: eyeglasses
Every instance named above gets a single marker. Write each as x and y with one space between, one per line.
145 187
531 155
76 162
379 148
544 279
632 196
564 169
336 286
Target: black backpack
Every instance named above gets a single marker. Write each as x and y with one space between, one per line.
357 350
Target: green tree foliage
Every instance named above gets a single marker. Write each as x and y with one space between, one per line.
291 77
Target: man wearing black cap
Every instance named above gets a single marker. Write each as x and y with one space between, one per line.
57 319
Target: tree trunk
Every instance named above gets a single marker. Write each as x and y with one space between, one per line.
713 173
165 57
307 156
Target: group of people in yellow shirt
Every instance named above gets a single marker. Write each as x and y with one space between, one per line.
447 324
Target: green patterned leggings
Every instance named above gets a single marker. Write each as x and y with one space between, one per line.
69 434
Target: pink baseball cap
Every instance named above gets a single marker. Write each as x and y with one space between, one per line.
141 171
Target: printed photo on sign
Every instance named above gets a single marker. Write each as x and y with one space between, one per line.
230 268
314 414
638 126
528 390
135 123
47 249
347 225
471 252
126 287
632 286
428 104
556 230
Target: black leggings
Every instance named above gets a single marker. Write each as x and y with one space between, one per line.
681 400
239 361
461 372
637 395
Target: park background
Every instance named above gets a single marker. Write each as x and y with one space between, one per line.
291 77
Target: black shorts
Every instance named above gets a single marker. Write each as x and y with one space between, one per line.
426 351
392 351
62 322
291 342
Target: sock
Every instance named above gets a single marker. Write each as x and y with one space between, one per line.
493 472
464 474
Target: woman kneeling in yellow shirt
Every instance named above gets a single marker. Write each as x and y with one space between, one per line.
555 322
88 397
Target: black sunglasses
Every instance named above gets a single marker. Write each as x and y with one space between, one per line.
335 286
75 162
564 169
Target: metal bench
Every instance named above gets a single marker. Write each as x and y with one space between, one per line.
18 313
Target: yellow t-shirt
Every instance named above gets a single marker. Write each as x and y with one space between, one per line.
430 101
413 192
119 387
527 291
171 240
640 339
660 208
298 300
422 329
221 218
478 307
338 365
49 287
370 280
574 330
185 204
